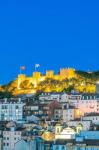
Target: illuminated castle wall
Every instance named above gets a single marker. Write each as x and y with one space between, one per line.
65 73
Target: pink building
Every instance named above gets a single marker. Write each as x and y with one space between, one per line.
88 104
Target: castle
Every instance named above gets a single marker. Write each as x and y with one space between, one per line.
37 77
26 84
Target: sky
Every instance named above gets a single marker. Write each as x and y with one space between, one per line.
53 33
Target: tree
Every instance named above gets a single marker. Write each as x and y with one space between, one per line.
5 94
69 89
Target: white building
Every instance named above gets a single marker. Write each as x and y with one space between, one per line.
66 113
25 145
11 110
69 114
94 117
49 96
1 142
70 97
63 134
10 138
85 123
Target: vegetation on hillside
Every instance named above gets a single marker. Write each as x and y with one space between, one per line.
93 76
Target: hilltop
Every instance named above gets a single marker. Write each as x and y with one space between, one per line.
67 80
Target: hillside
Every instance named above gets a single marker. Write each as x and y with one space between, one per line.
94 76
83 82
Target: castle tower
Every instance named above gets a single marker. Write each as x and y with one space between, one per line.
21 78
50 74
36 78
71 73
36 75
67 73
63 73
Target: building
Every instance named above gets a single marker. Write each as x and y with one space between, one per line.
1 142
63 134
86 124
26 145
70 97
97 87
66 112
30 109
30 144
10 137
88 104
49 97
58 114
63 145
94 117
70 113
59 145
90 135
11 110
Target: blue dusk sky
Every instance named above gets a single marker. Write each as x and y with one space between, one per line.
53 33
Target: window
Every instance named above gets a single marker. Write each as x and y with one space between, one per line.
7 144
19 133
63 147
16 107
7 138
4 107
4 144
56 147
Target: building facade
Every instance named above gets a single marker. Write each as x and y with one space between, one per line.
10 138
11 110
